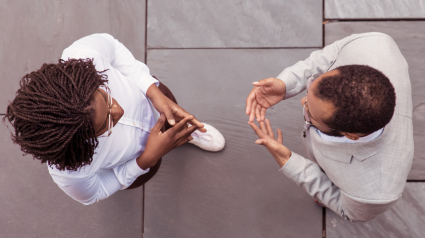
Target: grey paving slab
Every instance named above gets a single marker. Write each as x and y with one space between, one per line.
234 23
410 37
237 192
374 9
405 219
36 32
32 205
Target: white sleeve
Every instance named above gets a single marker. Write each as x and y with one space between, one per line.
128 172
107 53
97 186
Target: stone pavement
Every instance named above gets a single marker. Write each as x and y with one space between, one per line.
209 51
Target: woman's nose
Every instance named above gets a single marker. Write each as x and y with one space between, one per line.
302 101
116 111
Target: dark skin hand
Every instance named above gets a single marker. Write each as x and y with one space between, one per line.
172 111
160 143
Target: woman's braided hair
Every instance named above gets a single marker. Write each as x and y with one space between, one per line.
52 113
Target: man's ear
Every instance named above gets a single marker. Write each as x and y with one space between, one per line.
351 136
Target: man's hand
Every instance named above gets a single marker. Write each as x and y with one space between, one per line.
160 143
266 93
170 109
267 138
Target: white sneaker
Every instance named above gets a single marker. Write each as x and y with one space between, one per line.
212 140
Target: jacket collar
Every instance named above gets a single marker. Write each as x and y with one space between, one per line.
344 152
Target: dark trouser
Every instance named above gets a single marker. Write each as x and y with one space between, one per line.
142 179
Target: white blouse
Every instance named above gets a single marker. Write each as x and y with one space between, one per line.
114 164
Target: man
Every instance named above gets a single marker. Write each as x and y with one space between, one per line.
358 132
94 119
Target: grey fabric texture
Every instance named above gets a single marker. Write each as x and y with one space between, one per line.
361 180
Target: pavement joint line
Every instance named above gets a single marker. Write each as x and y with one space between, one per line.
237 48
324 222
323 46
146 32
146 62
372 19
323 23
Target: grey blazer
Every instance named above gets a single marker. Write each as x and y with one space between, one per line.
362 180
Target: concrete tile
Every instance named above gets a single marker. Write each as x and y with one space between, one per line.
234 23
36 32
374 9
410 37
405 219
32 205
237 192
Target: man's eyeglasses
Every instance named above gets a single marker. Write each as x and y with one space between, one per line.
306 112
109 103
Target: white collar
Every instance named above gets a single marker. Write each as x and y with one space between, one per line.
344 139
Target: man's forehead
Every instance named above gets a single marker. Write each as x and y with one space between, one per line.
319 109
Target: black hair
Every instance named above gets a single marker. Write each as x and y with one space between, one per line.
364 99
52 113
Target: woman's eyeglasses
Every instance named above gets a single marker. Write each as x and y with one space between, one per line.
109 103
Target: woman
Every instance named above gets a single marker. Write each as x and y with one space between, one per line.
94 119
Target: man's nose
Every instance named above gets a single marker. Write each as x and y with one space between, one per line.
302 101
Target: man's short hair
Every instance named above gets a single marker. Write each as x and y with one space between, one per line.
364 99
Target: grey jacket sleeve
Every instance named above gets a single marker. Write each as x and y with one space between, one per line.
295 77
309 176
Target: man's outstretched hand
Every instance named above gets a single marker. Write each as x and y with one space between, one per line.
267 138
266 93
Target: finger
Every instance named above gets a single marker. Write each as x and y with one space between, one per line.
187 131
159 123
182 123
263 113
169 115
180 112
190 138
261 142
182 142
269 129
249 101
257 112
263 127
252 115
279 136
197 123
203 130
257 130
261 83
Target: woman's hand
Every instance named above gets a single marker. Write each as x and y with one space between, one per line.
170 109
160 143
267 138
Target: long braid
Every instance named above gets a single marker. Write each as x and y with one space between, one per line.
52 113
